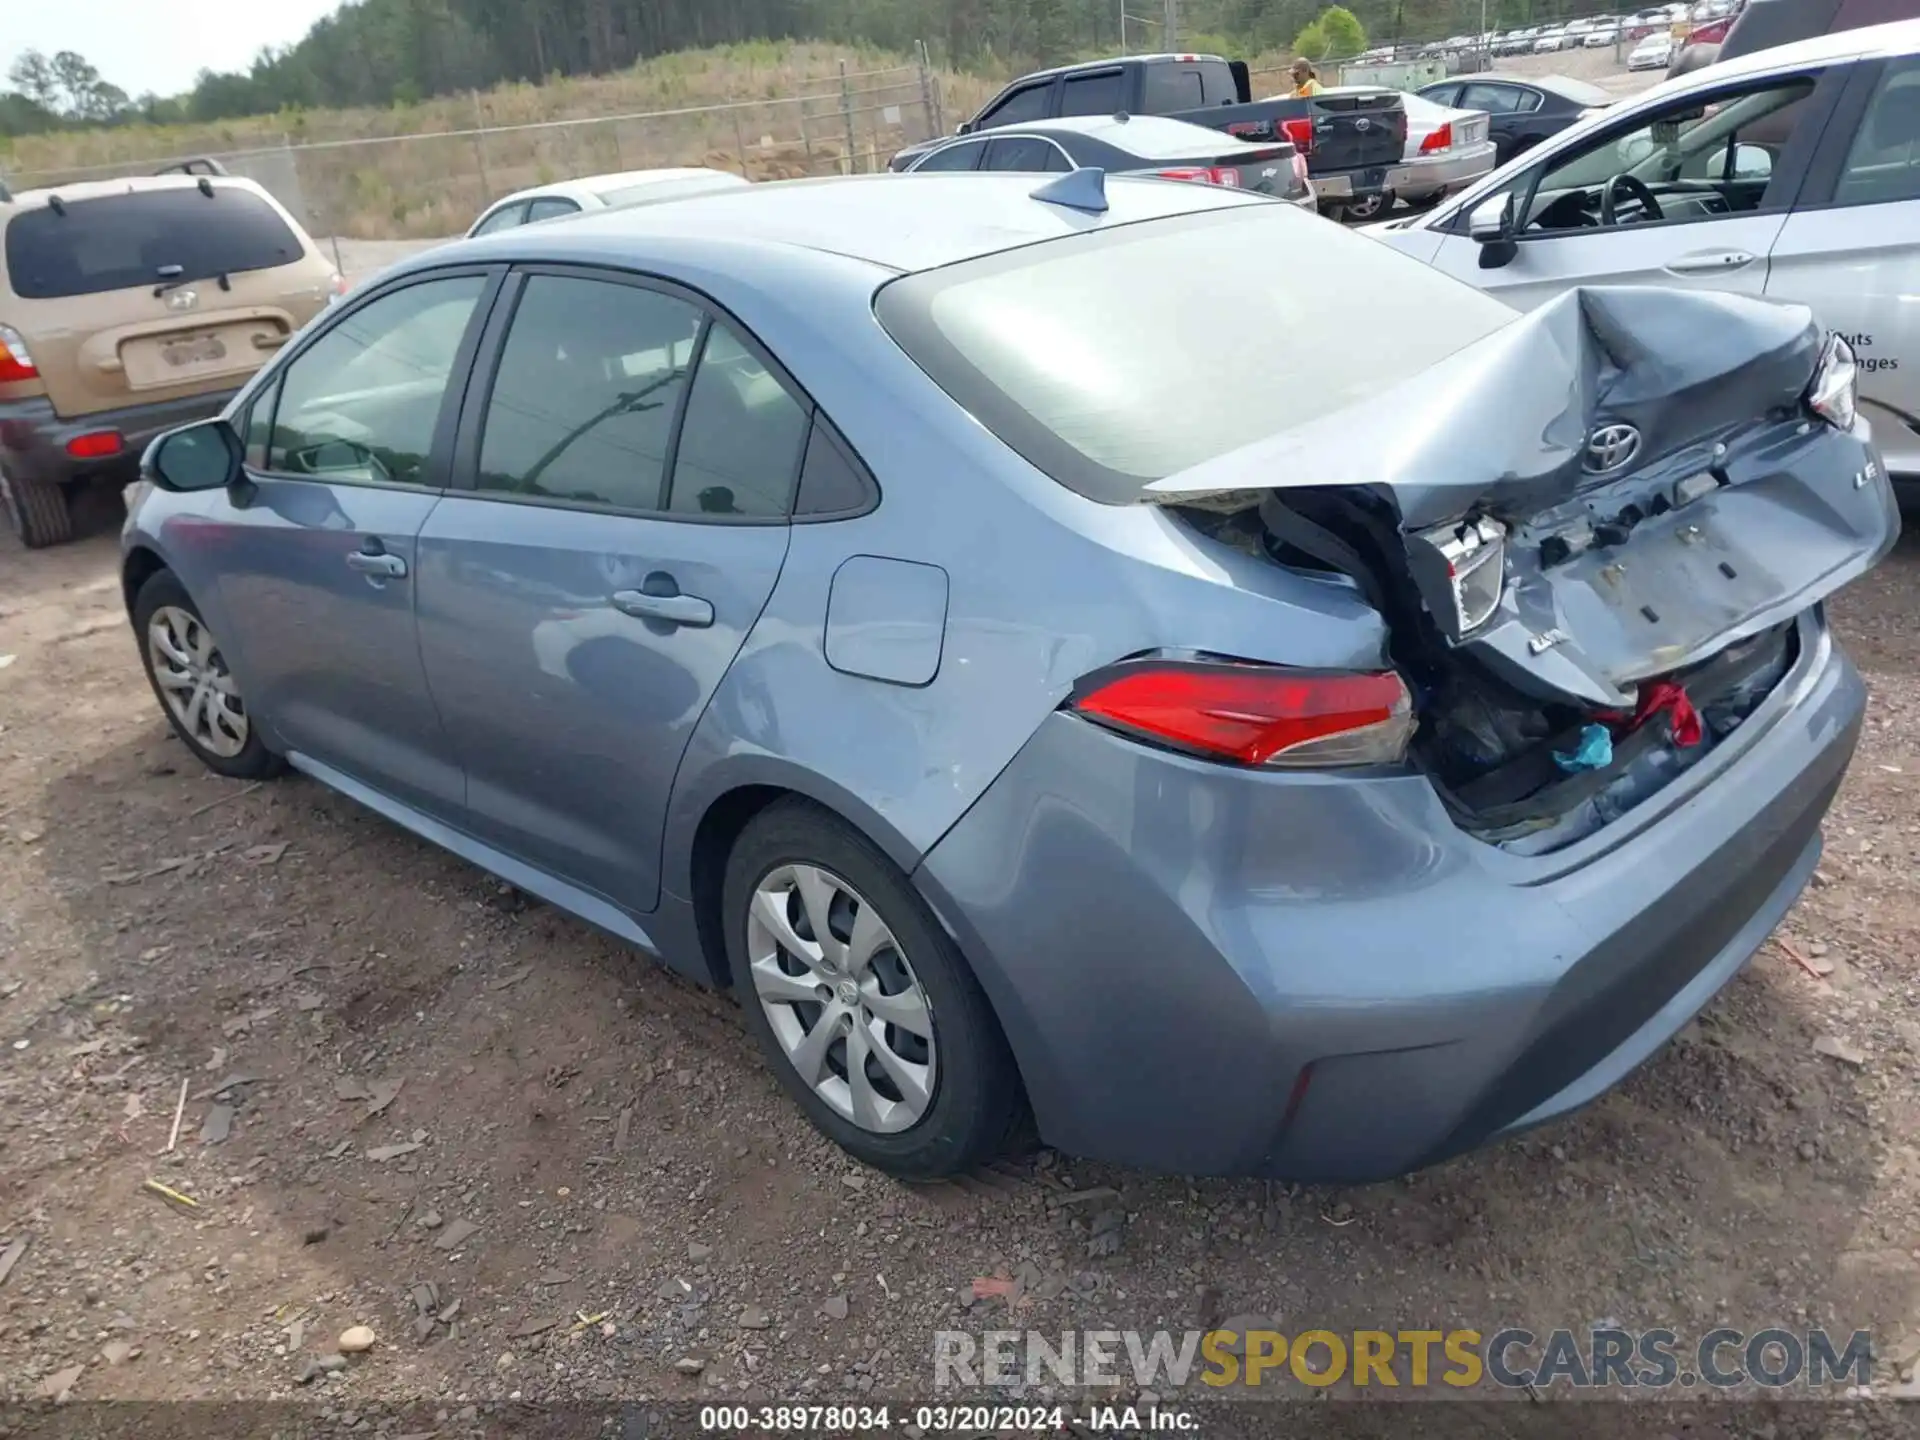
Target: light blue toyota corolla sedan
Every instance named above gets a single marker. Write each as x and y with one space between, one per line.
1119 652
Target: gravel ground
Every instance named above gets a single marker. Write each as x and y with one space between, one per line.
536 1166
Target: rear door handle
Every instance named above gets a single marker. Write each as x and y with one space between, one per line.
376 562
1710 262
688 610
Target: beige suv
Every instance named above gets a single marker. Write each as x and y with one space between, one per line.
128 307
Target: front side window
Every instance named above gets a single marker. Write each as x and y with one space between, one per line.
1689 160
588 386
952 157
1883 163
362 401
1018 108
1108 397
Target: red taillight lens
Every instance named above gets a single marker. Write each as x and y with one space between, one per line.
16 361
1300 132
1711 33
1202 174
1441 139
95 445
1254 714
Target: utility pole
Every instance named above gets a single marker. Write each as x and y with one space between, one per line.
1172 25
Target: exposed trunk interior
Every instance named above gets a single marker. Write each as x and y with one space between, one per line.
1526 774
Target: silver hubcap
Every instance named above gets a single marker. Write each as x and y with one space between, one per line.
193 679
849 1012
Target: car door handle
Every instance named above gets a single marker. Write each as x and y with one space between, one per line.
1710 262
688 610
375 562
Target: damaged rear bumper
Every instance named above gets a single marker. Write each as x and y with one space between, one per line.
1319 977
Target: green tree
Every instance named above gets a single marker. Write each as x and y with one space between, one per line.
1335 34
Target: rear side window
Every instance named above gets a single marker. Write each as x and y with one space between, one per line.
1091 94
1026 152
584 401
1168 89
1880 165
505 218
1107 398
742 439
953 157
1216 84
152 237
550 207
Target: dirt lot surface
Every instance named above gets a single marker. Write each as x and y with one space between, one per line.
410 1089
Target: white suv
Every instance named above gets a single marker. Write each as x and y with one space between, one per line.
1787 173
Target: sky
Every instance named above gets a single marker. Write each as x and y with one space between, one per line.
157 45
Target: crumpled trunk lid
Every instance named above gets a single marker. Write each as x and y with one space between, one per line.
1664 490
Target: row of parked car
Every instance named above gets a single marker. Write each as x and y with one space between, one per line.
1065 649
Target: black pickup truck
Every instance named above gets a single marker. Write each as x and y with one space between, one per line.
1354 141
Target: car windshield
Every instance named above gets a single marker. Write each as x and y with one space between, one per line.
1219 342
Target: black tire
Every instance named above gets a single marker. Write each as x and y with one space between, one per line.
254 761
39 515
1334 210
977 1107
1423 202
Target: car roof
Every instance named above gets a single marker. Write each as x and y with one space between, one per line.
126 185
592 187
1114 62
1148 136
901 223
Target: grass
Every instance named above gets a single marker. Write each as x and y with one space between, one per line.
419 171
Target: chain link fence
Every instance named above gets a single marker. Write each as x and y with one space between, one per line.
431 186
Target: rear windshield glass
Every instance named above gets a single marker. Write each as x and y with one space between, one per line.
1119 357
116 242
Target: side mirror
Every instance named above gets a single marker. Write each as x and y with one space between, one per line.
965 127
205 456
1492 220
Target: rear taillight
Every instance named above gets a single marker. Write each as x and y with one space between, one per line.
95 445
338 285
16 361
1253 714
1711 33
1441 139
1300 132
1202 174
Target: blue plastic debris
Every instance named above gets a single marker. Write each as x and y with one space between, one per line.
1594 752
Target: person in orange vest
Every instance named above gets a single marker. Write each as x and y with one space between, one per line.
1304 83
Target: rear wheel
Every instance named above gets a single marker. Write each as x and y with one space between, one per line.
38 514
1359 212
197 691
861 1003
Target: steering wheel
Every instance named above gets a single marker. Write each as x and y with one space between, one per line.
1635 190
